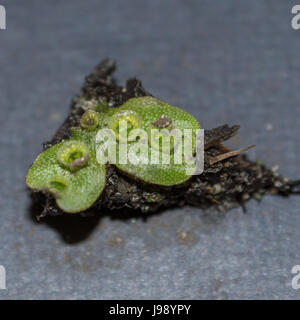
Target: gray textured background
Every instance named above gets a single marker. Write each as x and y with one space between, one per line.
223 61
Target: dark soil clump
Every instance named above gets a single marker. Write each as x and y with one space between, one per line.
224 183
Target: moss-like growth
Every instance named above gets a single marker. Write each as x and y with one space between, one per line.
73 155
70 171
152 110
74 190
123 122
89 120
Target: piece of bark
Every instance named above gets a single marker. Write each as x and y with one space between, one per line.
223 184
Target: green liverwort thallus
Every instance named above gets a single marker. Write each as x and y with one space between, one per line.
70 171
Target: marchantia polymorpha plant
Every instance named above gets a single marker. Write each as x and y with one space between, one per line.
68 177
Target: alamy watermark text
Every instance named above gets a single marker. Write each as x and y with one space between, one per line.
2 18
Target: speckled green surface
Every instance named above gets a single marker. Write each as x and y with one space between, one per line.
81 187
150 109
75 176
